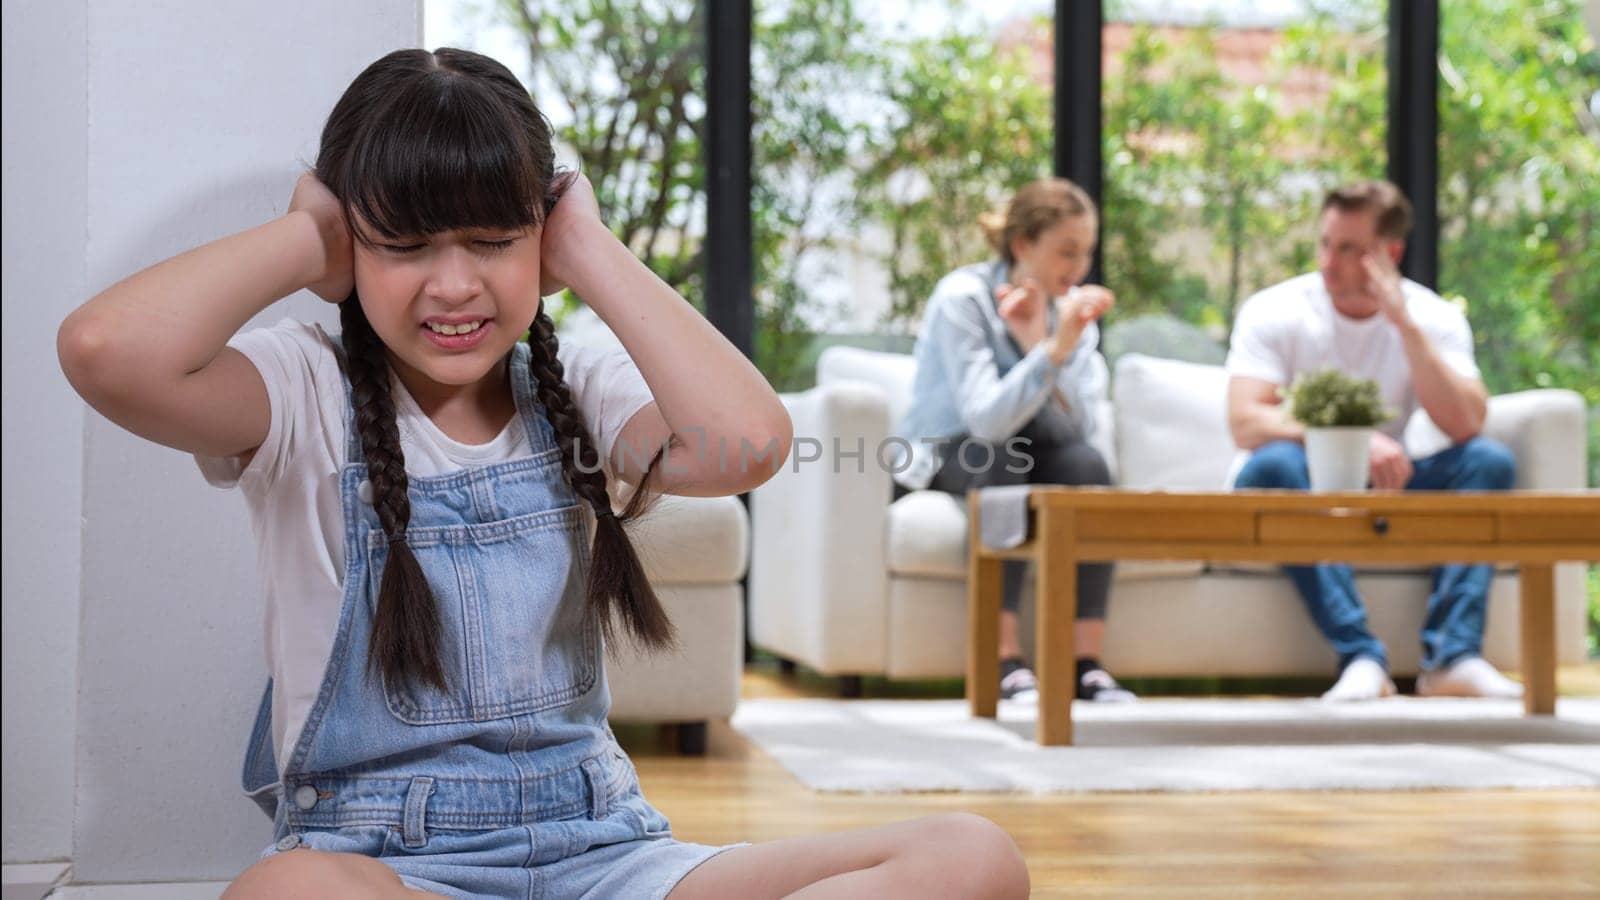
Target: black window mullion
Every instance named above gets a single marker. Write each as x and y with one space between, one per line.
729 299
1078 119
1413 137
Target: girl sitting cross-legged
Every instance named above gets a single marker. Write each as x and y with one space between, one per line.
430 492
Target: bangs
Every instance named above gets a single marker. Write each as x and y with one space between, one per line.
446 155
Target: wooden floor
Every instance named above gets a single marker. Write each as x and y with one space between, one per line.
1422 844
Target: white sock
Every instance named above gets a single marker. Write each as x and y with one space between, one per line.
1363 679
1469 677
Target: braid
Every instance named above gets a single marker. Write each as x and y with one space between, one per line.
617 584
405 631
589 482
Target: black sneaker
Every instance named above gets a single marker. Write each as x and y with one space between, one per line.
1017 682
1097 686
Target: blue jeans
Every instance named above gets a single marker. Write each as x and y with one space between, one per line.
1453 629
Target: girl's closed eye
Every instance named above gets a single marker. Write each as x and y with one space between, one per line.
489 245
401 249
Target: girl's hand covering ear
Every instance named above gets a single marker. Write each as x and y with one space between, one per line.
573 213
336 279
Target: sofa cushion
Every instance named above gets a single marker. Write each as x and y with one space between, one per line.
1171 424
927 535
928 539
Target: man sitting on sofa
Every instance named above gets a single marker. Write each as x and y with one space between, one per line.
1357 314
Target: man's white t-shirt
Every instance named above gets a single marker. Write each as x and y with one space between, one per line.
291 486
1293 328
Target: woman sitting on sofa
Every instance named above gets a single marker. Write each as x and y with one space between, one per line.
1007 379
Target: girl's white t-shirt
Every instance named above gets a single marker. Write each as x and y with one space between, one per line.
291 486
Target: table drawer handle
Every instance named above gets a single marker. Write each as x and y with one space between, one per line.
1380 525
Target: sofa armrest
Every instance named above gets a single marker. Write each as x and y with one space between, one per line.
696 681
818 566
693 540
1546 431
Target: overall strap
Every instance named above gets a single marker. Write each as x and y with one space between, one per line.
541 435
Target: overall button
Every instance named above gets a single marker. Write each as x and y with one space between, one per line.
364 491
305 796
289 842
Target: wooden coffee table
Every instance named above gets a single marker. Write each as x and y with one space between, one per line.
1073 525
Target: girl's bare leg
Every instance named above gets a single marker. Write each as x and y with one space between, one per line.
307 873
949 856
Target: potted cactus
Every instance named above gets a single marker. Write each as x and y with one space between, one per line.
1339 413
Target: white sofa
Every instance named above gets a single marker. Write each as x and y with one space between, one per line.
847 583
695 551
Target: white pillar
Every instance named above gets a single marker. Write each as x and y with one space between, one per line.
45 79
160 125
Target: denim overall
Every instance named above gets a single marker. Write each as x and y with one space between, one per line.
511 784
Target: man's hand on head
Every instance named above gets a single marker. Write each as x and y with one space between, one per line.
1383 283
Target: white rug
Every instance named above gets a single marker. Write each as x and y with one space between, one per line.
1400 743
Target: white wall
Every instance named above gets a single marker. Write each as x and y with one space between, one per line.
43 276
135 130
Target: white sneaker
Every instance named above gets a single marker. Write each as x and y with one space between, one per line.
1469 677
1363 679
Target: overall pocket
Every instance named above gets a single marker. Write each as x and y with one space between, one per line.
515 635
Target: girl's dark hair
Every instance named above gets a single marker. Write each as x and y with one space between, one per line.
427 142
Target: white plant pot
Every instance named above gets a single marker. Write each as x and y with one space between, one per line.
1337 458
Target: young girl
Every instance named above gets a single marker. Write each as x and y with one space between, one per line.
1007 378
423 486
